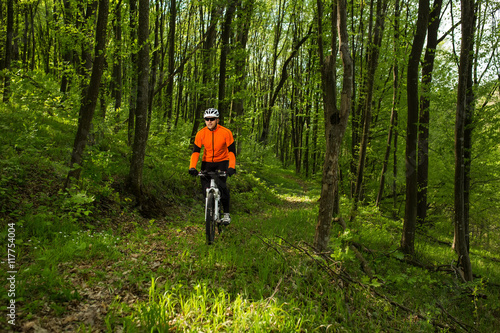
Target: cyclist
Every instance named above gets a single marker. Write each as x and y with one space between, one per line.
219 154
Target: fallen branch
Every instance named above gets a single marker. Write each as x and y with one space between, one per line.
269 245
276 289
364 264
464 326
344 276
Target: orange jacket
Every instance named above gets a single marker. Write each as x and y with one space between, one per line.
219 146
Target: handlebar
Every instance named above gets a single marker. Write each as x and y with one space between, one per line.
212 174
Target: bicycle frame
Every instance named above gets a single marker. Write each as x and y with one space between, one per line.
212 205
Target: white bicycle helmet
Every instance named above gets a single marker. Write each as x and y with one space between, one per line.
211 113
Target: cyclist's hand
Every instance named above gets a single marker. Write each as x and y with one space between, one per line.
231 171
193 172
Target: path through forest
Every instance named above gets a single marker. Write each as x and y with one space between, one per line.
109 287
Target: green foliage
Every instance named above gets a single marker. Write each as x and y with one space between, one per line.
213 311
149 263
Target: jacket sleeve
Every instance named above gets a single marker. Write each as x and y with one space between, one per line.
194 160
232 151
196 152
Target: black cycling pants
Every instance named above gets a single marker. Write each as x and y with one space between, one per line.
221 184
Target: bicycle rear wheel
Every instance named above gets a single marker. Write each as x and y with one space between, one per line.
210 218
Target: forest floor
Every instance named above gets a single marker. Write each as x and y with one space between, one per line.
112 275
94 291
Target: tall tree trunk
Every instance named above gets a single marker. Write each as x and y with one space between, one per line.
468 128
335 119
8 49
133 73
66 48
207 61
307 119
410 220
395 98
357 94
33 39
116 81
373 53
461 227
171 63
226 32
423 132
141 115
86 57
268 109
244 18
89 102
154 64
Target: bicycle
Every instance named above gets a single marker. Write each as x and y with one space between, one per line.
212 205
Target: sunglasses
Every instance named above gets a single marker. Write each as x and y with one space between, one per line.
210 119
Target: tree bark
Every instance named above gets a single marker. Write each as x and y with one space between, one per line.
207 61
266 117
373 53
244 16
133 72
410 220
66 48
8 49
141 115
226 32
171 62
335 120
89 102
394 111
154 63
116 81
461 227
424 123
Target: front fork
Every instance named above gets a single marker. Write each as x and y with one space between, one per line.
216 192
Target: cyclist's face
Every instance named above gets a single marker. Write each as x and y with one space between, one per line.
211 122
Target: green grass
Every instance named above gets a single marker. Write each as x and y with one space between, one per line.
90 259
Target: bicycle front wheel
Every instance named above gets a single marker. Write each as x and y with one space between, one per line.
210 218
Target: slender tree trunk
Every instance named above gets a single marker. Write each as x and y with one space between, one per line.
335 119
154 64
394 111
171 62
116 81
268 109
244 17
423 136
66 48
33 40
89 102
373 54
389 136
141 116
86 58
207 56
133 73
226 32
279 86
8 49
468 128
461 227
410 220
357 94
